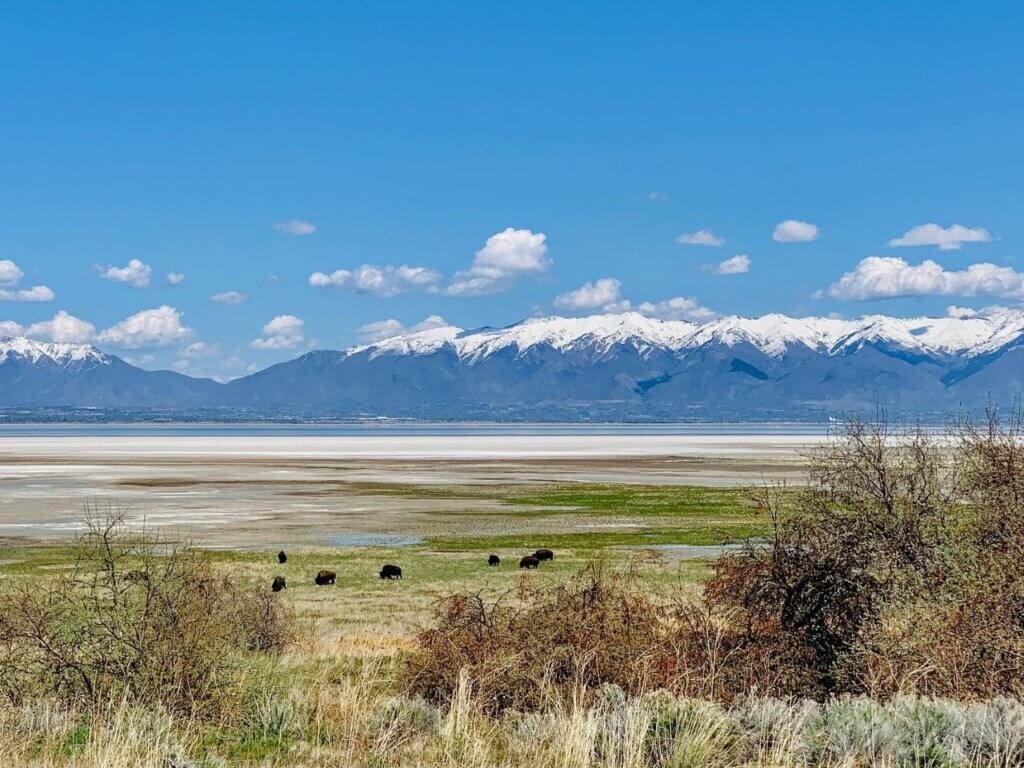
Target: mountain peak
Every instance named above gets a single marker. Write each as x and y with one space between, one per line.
773 334
60 353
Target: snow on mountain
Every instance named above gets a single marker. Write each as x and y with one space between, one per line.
61 354
774 335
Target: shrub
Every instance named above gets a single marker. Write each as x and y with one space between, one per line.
542 640
135 618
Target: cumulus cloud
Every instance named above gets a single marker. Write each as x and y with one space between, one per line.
960 312
677 308
383 329
737 265
946 239
283 332
229 297
884 277
504 257
10 273
383 281
200 349
35 293
793 231
296 227
600 293
10 328
63 328
136 273
175 278
159 327
701 237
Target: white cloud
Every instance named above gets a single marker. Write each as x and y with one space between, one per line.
701 237
283 332
793 231
657 197
590 295
10 273
296 227
229 297
135 273
385 281
883 277
175 278
35 293
960 312
63 328
504 257
159 327
678 308
198 349
10 328
383 329
949 239
737 265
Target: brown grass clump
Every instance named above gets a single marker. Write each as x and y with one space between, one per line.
134 619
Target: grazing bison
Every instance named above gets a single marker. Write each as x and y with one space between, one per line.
544 554
325 577
277 584
391 572
282 558
494 560
529 562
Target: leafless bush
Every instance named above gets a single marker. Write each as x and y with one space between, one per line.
136 618
896 569
543 639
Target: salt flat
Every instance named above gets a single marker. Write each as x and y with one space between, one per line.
246 490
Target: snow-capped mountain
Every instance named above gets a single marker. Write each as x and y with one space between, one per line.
624 366
43 374
632 366
62 355
772 335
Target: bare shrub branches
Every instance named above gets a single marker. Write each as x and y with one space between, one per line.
896 569
134 617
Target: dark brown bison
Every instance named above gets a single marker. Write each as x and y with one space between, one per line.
277 584
544 554
391 572
529 562
325 577
282 558
494 560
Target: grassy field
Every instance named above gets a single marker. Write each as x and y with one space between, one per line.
335 697
363 606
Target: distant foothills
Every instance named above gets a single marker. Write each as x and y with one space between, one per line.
624 367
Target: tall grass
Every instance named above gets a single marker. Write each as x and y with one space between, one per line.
348 715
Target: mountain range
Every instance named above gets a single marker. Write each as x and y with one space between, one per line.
605 367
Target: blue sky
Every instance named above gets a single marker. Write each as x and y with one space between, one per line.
509 155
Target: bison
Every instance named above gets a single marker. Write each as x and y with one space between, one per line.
494 560
544 554
391 572
282 558
325 577
277 584
529 562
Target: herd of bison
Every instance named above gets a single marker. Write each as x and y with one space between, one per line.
326 577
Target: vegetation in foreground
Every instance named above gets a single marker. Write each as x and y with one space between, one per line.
877 624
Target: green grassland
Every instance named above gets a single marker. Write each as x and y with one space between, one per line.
361 604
